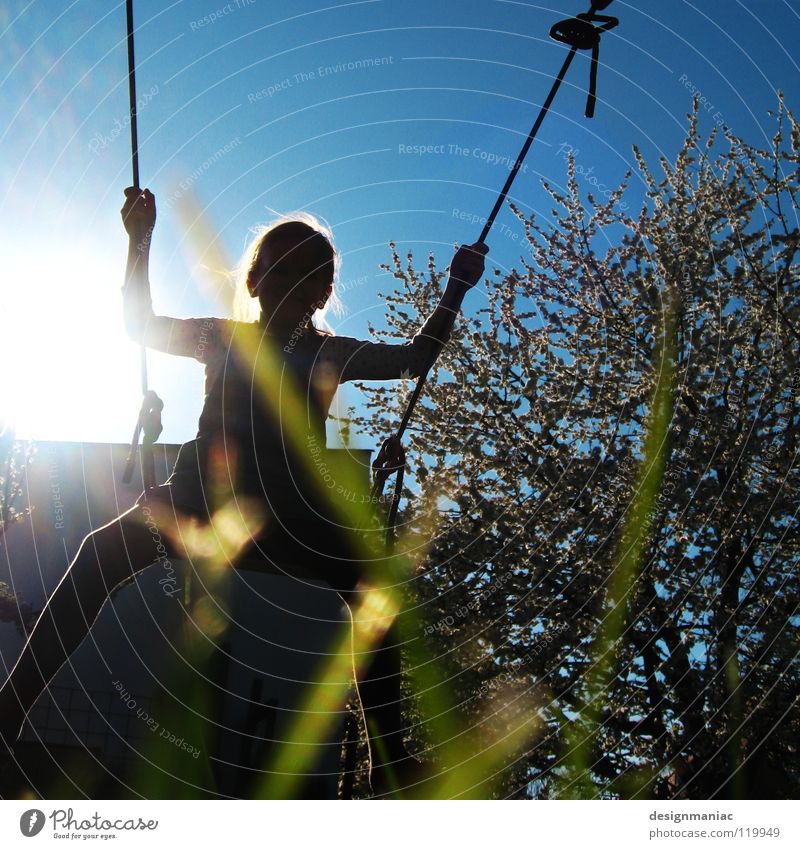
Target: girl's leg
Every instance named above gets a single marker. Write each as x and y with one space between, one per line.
376 660
378 681
106 558
377 666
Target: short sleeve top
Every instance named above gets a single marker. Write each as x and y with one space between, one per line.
264 394
334 359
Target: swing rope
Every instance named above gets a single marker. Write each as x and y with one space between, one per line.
148 424
580 33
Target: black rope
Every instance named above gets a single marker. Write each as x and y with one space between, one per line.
148 427
148 424
581 34
132 94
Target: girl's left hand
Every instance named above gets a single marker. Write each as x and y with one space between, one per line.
467 266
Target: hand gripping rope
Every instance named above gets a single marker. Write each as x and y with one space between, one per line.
580 33
148 425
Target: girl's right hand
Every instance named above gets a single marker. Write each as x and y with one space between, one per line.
139 212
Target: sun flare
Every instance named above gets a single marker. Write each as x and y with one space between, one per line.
70 369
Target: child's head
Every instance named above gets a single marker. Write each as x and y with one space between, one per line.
290 268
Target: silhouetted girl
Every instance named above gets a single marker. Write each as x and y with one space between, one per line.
269 385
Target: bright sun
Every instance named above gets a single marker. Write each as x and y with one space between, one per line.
70 371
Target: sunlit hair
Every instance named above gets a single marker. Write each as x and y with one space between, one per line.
320 239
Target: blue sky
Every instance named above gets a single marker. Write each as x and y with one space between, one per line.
391 121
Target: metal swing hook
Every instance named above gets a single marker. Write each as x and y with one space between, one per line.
581 33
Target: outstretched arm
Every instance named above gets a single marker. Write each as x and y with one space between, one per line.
385 361
171 335
139 218
466 270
